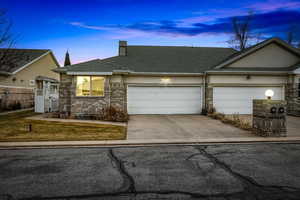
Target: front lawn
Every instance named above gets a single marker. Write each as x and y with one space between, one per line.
15 128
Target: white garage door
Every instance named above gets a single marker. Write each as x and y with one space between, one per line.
164 100
230 100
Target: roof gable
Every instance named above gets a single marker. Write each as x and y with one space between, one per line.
21 58
272 53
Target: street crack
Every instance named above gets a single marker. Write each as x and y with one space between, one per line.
128 181
251 187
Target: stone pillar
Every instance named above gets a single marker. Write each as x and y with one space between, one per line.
118 96
209 99
269 118
65 94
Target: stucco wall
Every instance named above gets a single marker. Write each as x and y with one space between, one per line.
184 80
272 55
42 67
242 79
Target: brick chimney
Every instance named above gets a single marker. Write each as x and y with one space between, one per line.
122 48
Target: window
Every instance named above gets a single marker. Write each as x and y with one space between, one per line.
53 89
90 86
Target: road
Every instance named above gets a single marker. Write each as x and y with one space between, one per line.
236 171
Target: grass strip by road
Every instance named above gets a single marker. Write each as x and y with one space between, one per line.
14 127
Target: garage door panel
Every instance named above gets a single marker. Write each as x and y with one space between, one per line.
230 100
164 100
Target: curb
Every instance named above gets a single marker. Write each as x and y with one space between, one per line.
94 144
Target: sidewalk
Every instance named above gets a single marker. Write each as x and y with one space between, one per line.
40 117
16 111
147 142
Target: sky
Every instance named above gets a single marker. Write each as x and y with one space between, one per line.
91 29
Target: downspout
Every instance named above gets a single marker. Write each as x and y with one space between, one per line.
109 97
204 93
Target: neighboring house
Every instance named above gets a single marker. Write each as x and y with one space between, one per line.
181 80
17 79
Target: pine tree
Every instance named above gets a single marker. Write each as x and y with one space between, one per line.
67 59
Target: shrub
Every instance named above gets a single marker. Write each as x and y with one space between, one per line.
234 120
211 110
114 114
14 106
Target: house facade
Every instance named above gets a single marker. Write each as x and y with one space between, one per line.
181 80
18 75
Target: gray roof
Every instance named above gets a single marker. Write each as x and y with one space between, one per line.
161 59
14 59
173 59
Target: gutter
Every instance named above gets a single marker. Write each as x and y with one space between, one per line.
124 72
5 73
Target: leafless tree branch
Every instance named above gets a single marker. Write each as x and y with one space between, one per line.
242 36
8 54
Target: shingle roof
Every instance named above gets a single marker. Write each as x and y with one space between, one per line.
17 58
161 59
172 59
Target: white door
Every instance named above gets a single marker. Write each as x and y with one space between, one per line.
164 100
230 100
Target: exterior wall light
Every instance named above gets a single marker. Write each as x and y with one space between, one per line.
165 80
269 94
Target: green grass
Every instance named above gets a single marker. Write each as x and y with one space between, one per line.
14 128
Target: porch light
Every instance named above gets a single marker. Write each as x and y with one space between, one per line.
165 80
269 94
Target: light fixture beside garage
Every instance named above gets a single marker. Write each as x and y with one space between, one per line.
269 93
165 80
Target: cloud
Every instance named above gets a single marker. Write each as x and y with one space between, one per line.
272 5
273 22
101 28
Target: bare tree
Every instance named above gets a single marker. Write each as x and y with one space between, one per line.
293 36
8 55
243 36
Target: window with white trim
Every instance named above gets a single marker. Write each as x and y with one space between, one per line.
90 86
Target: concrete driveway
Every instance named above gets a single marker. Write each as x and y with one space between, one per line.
180 127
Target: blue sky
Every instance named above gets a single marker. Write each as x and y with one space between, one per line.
91 28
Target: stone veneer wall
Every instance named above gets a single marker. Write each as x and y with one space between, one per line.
209 99
118 95
266 123
65 94
90 107
291 93
16 98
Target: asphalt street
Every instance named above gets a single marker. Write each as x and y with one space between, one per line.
236 171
